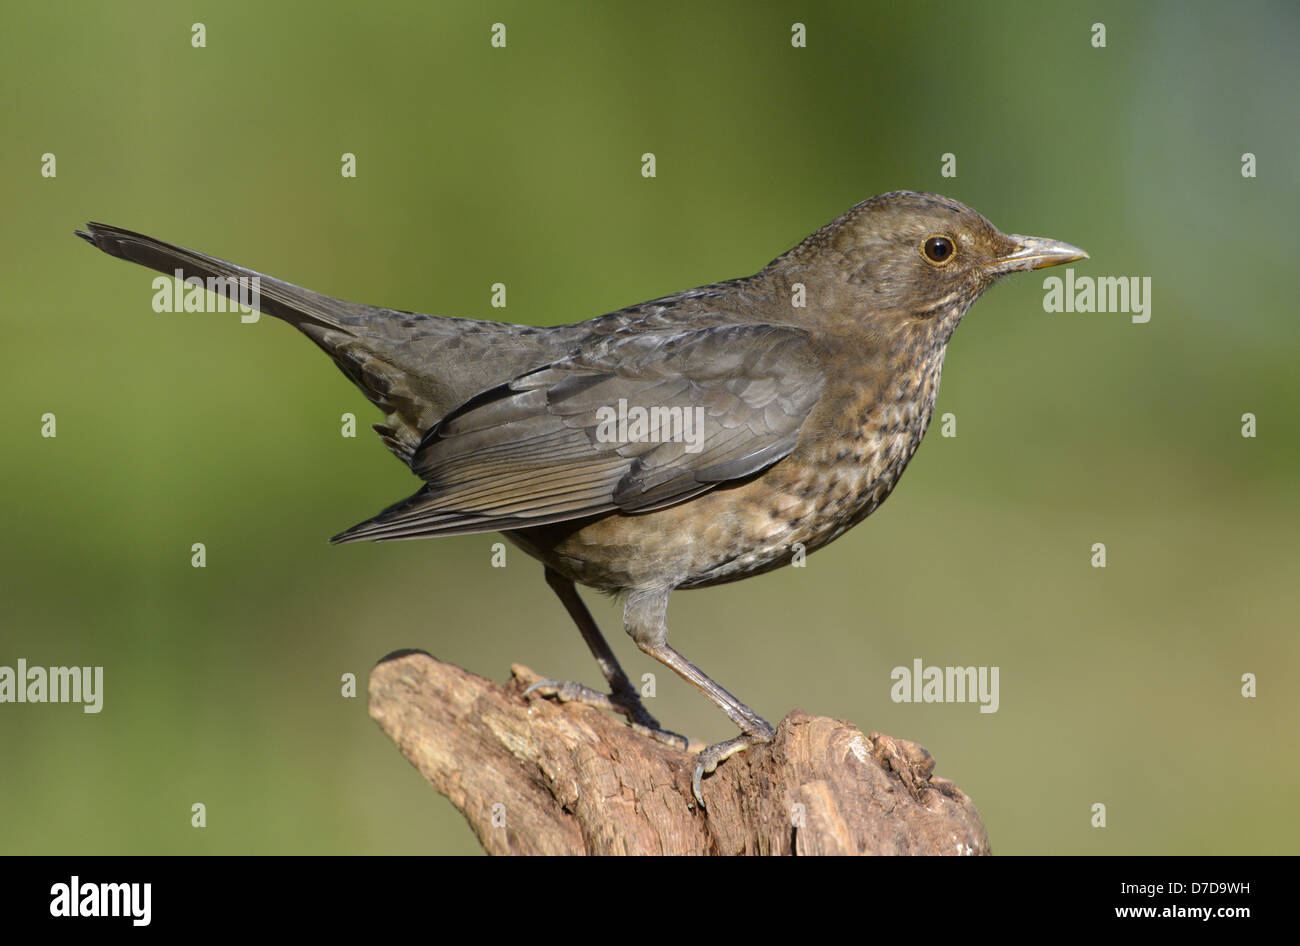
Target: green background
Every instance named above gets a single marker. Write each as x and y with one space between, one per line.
522 165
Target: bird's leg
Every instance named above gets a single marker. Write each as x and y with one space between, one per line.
645 617
623 697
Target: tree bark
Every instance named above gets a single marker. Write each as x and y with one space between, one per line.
536 777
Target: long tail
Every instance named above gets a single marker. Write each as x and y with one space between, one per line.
365 342
280 299
413 367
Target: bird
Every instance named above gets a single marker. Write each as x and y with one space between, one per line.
689 441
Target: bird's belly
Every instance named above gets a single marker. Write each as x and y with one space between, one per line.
791 509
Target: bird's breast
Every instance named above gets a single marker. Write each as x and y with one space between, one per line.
846 464
850 456
842 478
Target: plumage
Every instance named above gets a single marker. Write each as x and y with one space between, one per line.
807 388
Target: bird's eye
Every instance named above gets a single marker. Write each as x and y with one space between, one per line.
938 249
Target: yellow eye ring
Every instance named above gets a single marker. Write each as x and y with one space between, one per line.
939 250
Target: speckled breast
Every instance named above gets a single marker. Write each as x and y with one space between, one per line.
821 491
842 470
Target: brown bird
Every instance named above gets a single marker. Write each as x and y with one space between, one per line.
684 442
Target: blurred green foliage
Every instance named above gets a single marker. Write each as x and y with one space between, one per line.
521 165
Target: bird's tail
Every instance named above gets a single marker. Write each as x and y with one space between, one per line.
367 343
275 297
413 367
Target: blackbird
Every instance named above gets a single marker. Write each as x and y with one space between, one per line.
688 441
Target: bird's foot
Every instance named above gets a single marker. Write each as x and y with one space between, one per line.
625 704
710 758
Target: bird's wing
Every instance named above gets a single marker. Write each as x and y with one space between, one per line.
718 404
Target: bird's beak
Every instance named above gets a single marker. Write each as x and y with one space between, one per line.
1035 253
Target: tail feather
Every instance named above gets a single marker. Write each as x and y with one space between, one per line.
282 300
421 517
413 367
344 330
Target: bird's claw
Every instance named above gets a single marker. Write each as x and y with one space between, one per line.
566 691
627 705
712 756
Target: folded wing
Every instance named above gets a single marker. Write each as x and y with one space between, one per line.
635 421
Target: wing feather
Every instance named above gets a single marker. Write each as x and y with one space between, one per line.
719 403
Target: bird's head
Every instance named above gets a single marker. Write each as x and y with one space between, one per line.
908 259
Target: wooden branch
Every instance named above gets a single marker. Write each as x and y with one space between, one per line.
536 777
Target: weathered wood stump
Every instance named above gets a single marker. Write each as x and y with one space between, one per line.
536 777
